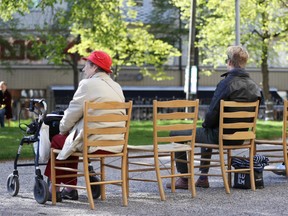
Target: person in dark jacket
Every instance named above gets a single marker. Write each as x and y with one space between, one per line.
2 110
236 86
5 103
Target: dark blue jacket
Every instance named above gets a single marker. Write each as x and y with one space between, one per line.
236 86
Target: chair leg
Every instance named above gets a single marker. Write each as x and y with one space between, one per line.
285 157
53 177
223 171
251 166
127 176
192 186
159 179
102 186
229 159
88 183
172 165
124 180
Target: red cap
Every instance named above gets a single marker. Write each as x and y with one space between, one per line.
101 59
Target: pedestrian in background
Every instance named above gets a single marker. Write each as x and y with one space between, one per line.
6 104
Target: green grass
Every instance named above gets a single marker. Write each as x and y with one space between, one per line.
141 133
10 140
269 129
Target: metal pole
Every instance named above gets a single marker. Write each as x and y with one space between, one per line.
180 48
237 22
191 48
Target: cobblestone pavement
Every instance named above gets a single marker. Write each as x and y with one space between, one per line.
144 199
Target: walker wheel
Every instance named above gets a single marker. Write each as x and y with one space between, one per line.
41 191
96 191
13 184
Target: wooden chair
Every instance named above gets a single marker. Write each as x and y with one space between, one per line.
239 116
276 150
167 116
123 132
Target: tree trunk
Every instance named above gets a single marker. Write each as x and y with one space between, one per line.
115 73
75 58
269 111
265 71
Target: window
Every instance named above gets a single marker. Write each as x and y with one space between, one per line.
19 49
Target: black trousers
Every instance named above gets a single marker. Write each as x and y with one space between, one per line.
203 135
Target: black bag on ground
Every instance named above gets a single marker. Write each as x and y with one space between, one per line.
242 180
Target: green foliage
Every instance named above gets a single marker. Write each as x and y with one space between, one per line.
166 23
219 23
9 7
263 27
96 24
126 40
184 7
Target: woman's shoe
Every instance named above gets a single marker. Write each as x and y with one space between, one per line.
72 195
58 197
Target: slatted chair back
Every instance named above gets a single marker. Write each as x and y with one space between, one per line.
237 130
174 115
105 134
114 136
176 118
237 122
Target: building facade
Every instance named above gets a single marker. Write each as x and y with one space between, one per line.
28 77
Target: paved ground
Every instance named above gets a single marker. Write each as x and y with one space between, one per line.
144 199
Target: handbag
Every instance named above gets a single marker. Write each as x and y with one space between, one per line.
44 144
242 180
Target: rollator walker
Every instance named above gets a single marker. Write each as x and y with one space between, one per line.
32 136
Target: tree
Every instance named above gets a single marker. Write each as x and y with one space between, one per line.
95 24
264 28
166 24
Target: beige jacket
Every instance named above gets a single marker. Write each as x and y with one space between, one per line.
99 88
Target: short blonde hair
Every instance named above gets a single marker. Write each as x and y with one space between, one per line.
238 56
3 83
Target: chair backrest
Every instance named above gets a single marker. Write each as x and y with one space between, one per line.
106 124
174 115
285 122
237 122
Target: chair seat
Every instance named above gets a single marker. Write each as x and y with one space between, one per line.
273 142
169 147
216 146
78 154
205 145
91 155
